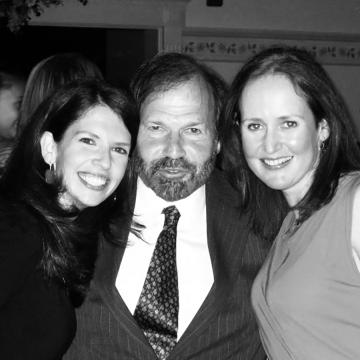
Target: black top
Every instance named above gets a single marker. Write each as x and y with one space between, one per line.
37 320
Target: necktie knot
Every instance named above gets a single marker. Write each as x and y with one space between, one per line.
172 216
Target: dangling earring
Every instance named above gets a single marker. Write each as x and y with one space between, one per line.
50 174
322 146
114 198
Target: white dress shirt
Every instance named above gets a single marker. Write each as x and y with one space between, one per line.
195 274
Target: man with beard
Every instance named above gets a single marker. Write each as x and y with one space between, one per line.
188 298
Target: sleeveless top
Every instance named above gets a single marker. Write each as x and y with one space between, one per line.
307 295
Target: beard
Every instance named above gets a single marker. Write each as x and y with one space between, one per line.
173 189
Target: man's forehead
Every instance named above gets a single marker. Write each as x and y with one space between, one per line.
194 85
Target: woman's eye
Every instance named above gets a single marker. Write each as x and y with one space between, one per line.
121 150
253 126
290 124
88 141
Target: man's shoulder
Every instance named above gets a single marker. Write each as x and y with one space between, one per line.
219 185
222 199
218 177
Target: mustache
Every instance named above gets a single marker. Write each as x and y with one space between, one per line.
168 163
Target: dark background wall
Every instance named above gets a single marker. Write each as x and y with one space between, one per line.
117 52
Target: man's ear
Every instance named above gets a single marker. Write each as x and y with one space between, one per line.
48 147
218 147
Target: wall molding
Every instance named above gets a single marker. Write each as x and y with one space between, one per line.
238 46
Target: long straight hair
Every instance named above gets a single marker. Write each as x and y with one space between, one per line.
340 156
69 237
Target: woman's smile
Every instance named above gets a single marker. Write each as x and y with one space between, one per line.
93 181
277 163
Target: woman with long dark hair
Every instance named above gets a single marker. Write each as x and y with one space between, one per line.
292 147
64 185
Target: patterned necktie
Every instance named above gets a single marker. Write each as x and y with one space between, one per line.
158 305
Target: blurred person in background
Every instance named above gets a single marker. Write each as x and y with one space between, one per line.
11 92
51 73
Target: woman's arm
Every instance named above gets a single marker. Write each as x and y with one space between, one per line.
355 229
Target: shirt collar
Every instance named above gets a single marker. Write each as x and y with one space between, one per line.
149 204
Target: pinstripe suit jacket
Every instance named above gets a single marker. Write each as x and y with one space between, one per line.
224 327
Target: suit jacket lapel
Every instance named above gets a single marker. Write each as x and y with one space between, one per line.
107 267
225 246
104 283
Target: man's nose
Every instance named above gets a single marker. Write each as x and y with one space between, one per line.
174 147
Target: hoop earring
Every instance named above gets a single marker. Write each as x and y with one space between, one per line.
50 174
